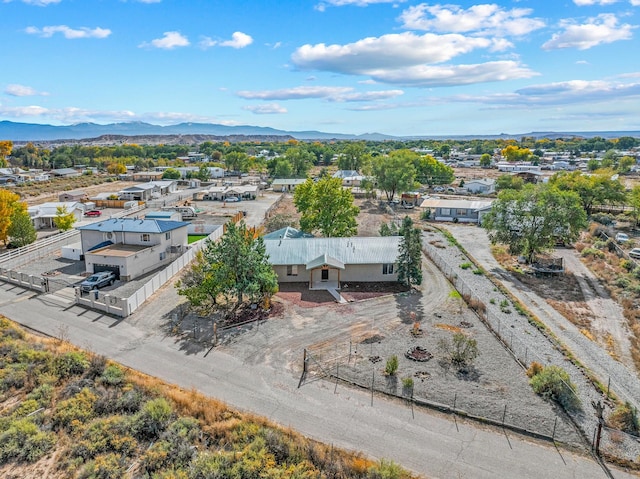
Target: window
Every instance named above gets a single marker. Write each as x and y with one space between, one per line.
146 237
163 255
445 211
292 270
462 213
167 235
387 268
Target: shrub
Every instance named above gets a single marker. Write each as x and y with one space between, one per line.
466 265
627 264
623 282
107 466
478 271
75 411
553 382
385 470
112 375
593 252
153 418
392 366
70 364
23 441
461 351
534 368
605 219
425 215
407 383
210 465
105 435
625 418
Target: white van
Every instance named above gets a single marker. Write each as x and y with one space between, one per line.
130 204
187 212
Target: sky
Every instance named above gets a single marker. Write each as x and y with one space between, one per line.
398 67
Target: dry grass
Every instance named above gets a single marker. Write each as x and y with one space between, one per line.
448 327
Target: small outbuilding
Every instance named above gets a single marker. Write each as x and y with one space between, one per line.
462 211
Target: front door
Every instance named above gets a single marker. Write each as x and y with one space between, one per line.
325 275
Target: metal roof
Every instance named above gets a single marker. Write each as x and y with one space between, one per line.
354 250
287 233
455 204
131 225
288 181
325 259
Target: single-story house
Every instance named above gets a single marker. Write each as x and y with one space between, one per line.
141 192
463 211
349 177
65 173
75 195
214 193
530 176
327 262
286 184
131 247
43 215
165 187
147 175
484 186
245 192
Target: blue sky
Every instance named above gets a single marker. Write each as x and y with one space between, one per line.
345 66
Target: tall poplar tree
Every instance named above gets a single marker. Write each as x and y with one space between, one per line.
410 254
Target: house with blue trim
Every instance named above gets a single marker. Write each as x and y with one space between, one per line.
132 247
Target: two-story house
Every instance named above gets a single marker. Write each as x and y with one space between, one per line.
131 247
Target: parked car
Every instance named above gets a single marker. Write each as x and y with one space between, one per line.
98 280
231 199
93 213
622 237
635 253
438 189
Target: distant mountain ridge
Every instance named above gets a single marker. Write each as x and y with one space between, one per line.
23 132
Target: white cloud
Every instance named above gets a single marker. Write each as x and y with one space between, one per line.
267 109
329 93
407 59
453 75
559 94
478 18
583 3
149 1
635 3
358 3
69 33
602 29
22 90
388 51
169 41
238 40
39 3
296 93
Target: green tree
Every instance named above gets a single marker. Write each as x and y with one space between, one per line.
235 270
533 219
485 160
21 231
353 156
410 254
301 161
280 168
599 188
116 168
634 201
64 219
431 171
509 182
394 173
236 161
625 163
203 173
171 174
326 207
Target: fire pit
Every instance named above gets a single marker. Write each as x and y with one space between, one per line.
418 353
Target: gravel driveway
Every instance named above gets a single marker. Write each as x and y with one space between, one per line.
530 344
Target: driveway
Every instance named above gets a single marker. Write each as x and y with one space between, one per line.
624 381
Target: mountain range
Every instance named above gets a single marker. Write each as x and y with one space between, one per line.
24 132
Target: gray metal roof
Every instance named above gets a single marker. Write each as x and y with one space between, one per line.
287 232
456 204
131 225
354 250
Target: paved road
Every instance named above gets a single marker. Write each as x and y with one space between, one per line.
434 445
624 382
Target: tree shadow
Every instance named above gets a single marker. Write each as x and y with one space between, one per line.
410 307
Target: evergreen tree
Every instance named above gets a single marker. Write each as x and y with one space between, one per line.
410 254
